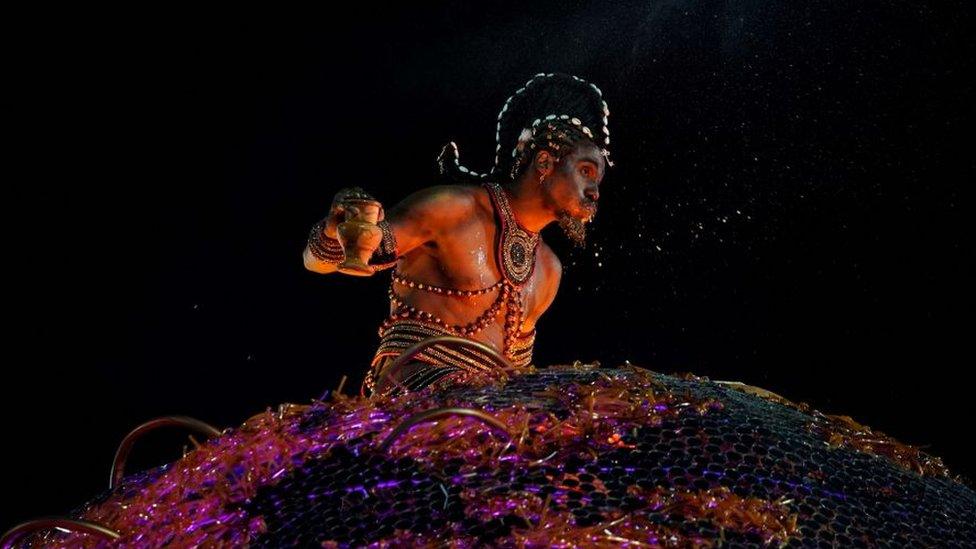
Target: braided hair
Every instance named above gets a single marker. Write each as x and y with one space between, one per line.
552 111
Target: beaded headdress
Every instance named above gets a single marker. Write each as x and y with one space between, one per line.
552 111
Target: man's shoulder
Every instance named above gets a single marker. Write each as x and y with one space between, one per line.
455 191
447 199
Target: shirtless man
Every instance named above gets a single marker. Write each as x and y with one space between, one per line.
466 254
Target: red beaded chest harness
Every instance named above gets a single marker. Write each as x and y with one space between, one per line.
516 252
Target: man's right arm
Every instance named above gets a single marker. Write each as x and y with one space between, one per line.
420 218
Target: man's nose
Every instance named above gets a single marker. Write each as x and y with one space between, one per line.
592 193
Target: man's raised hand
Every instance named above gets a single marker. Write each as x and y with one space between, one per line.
341 211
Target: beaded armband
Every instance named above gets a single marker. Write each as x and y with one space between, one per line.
322 247
386 255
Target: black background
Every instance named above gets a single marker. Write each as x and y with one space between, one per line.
787 208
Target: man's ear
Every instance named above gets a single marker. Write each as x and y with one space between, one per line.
544 162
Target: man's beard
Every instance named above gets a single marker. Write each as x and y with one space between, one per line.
573 228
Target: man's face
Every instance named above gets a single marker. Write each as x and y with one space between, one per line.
573 189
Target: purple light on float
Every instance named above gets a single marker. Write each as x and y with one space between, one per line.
275 459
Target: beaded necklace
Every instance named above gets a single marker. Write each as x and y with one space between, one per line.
517 246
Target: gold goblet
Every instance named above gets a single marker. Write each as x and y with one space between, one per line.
359 235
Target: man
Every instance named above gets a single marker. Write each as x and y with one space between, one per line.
466 255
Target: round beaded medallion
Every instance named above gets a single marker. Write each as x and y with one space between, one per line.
516 251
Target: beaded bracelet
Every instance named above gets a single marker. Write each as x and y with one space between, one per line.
322 247
386 254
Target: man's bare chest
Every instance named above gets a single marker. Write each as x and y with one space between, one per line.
467 259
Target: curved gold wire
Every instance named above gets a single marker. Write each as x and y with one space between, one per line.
417 348
437 413
15 534
125 447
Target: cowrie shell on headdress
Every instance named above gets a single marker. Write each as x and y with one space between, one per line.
551 117
576 121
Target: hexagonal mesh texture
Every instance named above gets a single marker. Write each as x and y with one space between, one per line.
751 446
589 457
